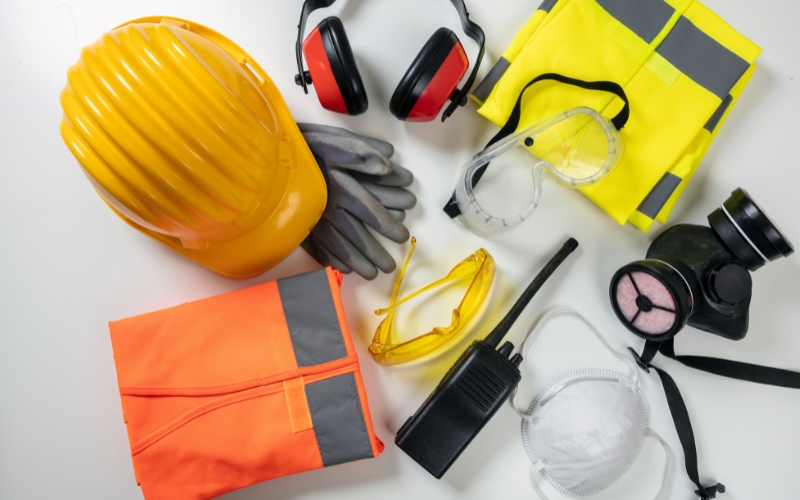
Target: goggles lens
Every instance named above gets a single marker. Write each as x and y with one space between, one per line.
577 148
476 271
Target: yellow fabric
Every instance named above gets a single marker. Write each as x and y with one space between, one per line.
669 110
663 68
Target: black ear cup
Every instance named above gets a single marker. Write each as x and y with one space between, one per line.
343 65
421 72
652 299
749 232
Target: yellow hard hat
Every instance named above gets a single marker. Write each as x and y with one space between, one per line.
189 141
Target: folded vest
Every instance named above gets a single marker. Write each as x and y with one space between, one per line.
240 388
682 67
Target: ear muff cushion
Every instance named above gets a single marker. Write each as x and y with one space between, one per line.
343 65
422 71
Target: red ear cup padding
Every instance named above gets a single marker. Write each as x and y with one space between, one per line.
333 69
431 79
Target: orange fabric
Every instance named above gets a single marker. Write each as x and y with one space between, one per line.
212 396
299 414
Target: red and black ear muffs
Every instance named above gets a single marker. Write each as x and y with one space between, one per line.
332 68
431 80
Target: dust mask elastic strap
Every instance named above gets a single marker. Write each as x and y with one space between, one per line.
531 337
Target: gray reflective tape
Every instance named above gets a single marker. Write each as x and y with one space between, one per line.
547 5
712 122
659 195
311 318
646 18
339 422
487 85
701 58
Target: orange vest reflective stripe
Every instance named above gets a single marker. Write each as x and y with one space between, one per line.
240 388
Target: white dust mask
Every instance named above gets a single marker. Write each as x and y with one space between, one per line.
585 429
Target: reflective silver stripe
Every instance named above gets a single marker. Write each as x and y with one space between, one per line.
712 122
659 195
547 5
339 422
646 18
701 58
485 88
311 316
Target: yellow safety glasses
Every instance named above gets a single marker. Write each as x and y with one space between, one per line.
479 267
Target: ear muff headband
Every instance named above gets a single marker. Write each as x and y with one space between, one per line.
472 30
475 32
302 78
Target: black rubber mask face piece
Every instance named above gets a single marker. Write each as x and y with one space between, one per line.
699 275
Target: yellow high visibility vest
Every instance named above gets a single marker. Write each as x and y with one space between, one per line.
682 67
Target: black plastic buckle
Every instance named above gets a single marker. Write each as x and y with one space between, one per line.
644 366
711 492
461 102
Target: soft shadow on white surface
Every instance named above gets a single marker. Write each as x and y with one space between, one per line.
70 265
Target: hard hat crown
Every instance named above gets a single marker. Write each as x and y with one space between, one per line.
174 133
188 140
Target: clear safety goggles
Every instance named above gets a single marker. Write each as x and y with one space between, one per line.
500 188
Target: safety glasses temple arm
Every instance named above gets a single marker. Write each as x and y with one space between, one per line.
309 6
447 279
459 98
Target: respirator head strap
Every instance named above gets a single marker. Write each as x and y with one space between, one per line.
649 352
683 426
711 491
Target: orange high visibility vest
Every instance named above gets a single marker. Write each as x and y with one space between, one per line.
240 388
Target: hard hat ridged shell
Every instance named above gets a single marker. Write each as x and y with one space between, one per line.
180 136
174 130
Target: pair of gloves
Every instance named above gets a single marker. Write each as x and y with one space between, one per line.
365 188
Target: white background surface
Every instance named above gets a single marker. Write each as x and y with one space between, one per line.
68 265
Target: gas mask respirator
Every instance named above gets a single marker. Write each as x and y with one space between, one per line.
698 275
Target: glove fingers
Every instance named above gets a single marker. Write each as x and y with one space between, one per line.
399 177
383 147
324 257
326 236
392 197
355 232
359 202
349 153
398 214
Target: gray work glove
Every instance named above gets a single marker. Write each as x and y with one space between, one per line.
364 188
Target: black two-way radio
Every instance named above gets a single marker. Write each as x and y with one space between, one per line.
472 390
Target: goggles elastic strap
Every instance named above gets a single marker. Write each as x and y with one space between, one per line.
619 121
